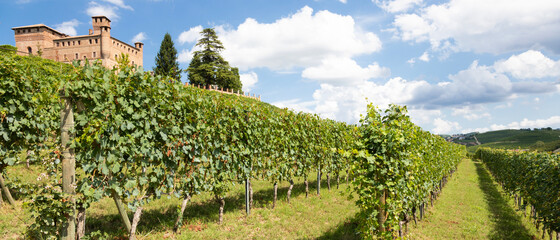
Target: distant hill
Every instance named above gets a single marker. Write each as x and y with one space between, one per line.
544 139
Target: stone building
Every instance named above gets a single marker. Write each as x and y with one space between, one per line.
98 44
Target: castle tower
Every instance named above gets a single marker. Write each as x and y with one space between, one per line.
102 25
99 22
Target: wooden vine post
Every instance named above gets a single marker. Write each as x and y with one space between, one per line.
381 212
247 198
68 163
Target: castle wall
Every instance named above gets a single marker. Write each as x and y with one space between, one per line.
60 47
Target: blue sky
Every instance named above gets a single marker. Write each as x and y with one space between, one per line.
459 65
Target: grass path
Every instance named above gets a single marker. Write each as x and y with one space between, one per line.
472 206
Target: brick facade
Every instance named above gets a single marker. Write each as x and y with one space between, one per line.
63 48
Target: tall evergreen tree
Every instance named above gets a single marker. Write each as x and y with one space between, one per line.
166 59
208 67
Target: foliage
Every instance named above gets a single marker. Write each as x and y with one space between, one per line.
29 112
397 166
8 49
166 59
533 176
208 67
140 136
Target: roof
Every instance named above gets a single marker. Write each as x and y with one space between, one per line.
101 16
39 25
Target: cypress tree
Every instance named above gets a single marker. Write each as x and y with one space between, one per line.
208 67
166 59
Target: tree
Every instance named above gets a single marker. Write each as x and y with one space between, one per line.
208 67
166 59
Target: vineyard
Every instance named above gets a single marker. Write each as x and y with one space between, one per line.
533 179
133 137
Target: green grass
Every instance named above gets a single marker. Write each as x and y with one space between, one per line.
473 206
328 216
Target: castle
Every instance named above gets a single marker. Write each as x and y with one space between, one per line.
42 40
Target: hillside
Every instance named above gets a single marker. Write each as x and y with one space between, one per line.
544 139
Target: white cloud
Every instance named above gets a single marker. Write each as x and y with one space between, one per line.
301 40
120 4
530 64
296 105
484 26
107 10
185 56
96 9
445 127
472 112
190 36
343 1
395 6
425 57
347 102
68 27
344 71
248 80
140 37
342 94
553 122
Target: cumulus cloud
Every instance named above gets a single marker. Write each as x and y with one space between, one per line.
109 10
425 57
301 40
343 1
119 3
190 36
346 103
296 105
472 112
530 64
445 127
478 84
185 56
553 121
96 9
140 37
395 6
344 71
68 27
248 80
483 26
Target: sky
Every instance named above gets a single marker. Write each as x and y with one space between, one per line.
458 65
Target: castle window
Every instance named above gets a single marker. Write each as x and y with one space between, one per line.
96 41
78 42
58 44
132 63
63 44
29 50
94 54
74 43
90 41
